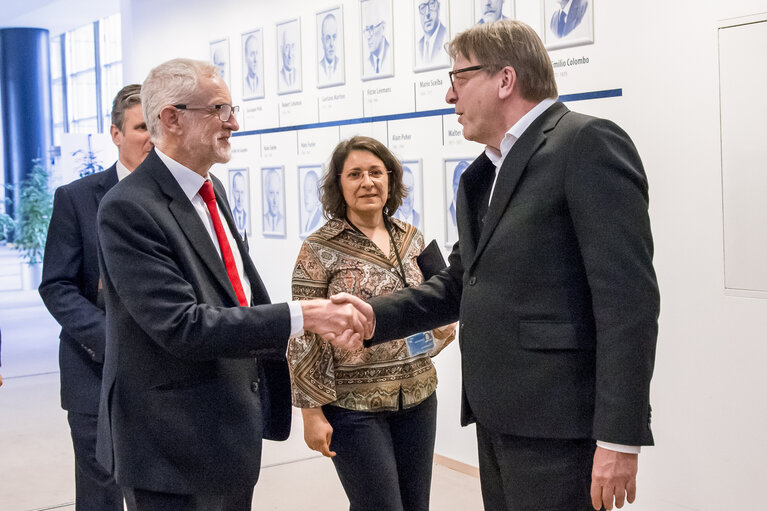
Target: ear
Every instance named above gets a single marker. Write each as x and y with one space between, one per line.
508 83
170 120
117 136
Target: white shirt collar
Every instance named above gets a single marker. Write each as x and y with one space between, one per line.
122 171
516 131
189 180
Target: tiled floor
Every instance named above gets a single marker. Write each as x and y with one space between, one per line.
36 462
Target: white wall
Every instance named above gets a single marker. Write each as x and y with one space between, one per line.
709 410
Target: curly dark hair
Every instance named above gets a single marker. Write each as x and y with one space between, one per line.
332 195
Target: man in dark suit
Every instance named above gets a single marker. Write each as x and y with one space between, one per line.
71 291
552 280
195 372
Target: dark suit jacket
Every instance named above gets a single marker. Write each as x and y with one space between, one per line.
69 288
184 405
556 291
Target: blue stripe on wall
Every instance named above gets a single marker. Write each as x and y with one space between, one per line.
599 94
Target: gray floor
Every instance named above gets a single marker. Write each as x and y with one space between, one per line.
36 462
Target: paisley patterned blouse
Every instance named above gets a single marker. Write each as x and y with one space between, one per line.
338 258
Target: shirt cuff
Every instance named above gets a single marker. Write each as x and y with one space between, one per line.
296 318
628 449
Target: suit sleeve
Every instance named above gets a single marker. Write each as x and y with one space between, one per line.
434 303
61 285
147 278
607 196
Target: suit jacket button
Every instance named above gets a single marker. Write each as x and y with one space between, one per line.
254 387
472 281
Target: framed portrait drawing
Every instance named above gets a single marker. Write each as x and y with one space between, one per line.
432 31
452 169
310 210
486 11
411 209
289 56
239 199
377 39
253 64
219 57
273 201
567 23
330 47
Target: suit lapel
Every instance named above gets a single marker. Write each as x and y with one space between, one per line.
513 167
475 183
189 221
108 180
258 291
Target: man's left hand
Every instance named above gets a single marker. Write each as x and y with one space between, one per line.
613 477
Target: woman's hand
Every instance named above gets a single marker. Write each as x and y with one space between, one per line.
443 336
317 431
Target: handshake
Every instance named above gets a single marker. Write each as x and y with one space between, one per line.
344 320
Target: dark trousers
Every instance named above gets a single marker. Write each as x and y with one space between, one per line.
95 489
384 459
534 474
238 499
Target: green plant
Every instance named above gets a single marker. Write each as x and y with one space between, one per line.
7 226
35 208
87 161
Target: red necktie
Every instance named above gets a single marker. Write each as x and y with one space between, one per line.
209 196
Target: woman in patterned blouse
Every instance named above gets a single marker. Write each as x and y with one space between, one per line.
373 410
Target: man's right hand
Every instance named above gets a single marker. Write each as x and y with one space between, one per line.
340 323
362 306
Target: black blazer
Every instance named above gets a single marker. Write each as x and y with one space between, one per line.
184 405
555 290
70 288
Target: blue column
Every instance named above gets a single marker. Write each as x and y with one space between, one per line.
25 87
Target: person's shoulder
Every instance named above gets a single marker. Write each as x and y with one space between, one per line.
327 231
91 181
585 121
409 229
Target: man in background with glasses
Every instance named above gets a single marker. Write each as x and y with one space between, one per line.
374 25
195 373
71 290
430 50
552 280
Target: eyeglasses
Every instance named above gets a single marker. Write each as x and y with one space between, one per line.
451 74
431 4
225 111
368 30
375 174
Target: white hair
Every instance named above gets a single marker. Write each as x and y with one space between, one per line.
171 83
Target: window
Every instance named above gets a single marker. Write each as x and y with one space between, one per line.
86 73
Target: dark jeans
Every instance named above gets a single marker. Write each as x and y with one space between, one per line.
95 489
239 499
384 459
534 474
